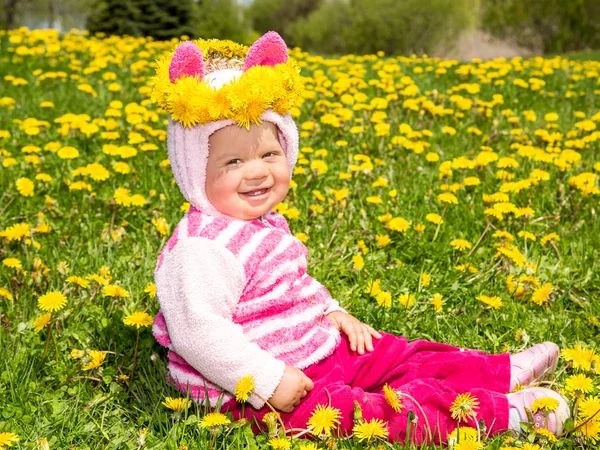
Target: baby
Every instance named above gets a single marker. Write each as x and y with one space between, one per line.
234 293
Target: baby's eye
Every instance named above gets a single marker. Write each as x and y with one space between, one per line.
266 155
234 161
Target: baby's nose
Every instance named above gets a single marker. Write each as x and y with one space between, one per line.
256 169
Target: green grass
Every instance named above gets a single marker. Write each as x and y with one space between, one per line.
46 394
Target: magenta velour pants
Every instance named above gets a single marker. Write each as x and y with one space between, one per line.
432 374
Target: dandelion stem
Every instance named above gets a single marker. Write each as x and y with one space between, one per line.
137 341
47 342
564 433
424 416
487 227
272 409
437 230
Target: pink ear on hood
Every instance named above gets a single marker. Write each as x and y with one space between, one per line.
187 60
268 50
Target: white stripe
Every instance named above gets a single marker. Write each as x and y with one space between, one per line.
289 346
183 227
225 235
288 267
250 247
306 292
311 289
282 247
321 353
205 222
273 325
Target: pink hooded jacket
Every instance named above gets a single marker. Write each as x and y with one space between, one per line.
235 298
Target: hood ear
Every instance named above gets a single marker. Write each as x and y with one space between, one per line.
187 60
269 50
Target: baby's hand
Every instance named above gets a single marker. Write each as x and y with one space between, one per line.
292 388
359 334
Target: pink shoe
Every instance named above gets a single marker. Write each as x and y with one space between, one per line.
533 364
553 420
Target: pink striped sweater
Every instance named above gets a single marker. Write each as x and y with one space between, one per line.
236 300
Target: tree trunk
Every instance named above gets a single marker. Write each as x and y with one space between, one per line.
10 13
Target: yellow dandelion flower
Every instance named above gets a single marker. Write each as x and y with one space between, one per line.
579 384
425 279
437 302
382 240
434 218
150 290
468 445
40 323
552 237
581 358
213 419
6 294
495 302
177 404
591 431
547 434
384 298
374 428
373 288
358 261
541 294
52 301
460 244
16 232
447 197
279 443
244 388
67 153
97 358
114 290
464 406
398 224
25 187
138 319
406 299
80 281
463 434
323 419
392 398
8 439
589 406
544 403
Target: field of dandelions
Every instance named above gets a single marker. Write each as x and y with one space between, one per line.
449 201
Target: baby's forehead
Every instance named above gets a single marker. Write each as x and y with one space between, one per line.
234 139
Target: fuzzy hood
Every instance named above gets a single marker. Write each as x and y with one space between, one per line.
188 147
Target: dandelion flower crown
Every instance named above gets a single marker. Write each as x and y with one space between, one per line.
268 80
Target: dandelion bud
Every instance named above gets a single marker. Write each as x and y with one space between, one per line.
358 417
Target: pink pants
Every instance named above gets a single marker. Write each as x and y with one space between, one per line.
431 373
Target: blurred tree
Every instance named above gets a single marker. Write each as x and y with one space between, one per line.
114 17
549 26
278 15
395 27
166 19
161 19
221 19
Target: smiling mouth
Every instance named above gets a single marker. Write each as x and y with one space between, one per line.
257 192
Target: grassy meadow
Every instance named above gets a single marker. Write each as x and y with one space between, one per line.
441 200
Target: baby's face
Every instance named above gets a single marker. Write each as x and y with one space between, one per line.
247 172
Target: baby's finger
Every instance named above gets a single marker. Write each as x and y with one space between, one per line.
305 393
373 332
351 333
360 342
368 340
308 383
